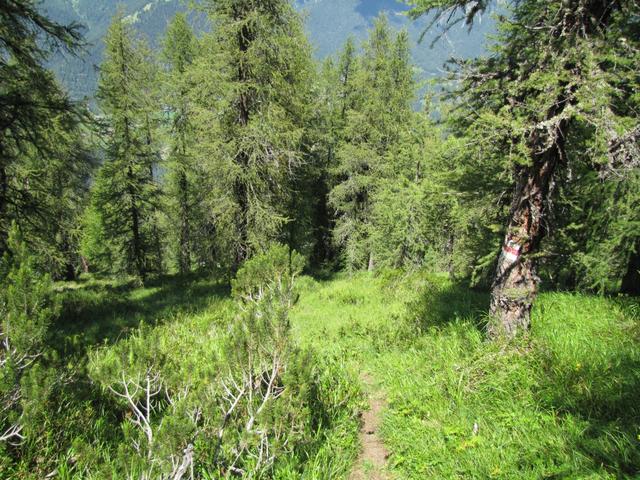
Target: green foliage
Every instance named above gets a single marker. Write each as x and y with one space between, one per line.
27 309
95 247
553 88
189 226
277 265
194 363
125 191
251 102
43 161
231 153
378 90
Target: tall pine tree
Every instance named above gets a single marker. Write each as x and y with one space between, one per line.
373 120
183 175
43 161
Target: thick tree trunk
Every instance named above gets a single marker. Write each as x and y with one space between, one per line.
631 280
516 282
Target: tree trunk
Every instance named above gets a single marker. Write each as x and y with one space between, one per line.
4 224
135 229
516 282
185 228
245 37
631 280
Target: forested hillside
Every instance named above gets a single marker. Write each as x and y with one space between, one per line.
328 22
242 259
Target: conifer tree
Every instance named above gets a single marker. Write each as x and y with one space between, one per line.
373 121
26 310
252 97
560 72
335 96
43 165
179 51
125 193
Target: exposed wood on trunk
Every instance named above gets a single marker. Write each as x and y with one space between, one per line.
516 282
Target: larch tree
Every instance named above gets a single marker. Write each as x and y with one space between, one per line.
253 80
372 120
335 96
125 193
179 51
559 70
43 161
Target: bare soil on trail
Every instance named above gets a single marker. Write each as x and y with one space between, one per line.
372 462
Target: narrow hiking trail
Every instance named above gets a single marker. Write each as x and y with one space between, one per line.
372 461
344 317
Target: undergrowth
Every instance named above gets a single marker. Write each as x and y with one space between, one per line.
560 403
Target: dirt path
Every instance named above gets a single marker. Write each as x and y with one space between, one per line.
371 464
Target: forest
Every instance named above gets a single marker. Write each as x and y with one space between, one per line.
239 261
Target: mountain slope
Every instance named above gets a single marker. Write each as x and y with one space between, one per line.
329 23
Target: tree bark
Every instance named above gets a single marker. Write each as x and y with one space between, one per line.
516 283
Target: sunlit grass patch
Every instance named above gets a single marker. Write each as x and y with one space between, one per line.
561 404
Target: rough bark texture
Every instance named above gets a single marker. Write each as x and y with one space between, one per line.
516 282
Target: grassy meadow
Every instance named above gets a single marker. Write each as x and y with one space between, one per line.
561 403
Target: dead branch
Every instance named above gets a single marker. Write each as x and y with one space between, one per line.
11 433
150 388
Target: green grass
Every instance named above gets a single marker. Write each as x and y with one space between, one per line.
106 310
562 403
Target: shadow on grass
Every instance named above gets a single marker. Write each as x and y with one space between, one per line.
95 312
600 387
442 301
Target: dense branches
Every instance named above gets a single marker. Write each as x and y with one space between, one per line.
557 73
125 194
